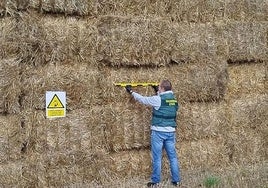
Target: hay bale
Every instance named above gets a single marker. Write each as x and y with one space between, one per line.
10 138
250 111
10 86
134 42
64 150
186 11
203 153
246 10
137 8
198 42
130 163
201 121
246 41
175 10
61 170
68 40
79 81
11 174
199 11
73 7
42 40
247 131
8 46
61 39
126 128
217 10
81 130
193 81
246 146
28 37
246 79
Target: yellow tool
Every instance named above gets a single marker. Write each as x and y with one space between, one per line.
135 84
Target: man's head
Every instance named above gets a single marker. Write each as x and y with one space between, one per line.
165 85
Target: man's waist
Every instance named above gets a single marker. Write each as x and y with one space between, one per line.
163 128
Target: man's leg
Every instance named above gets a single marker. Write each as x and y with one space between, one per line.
156 150
169 146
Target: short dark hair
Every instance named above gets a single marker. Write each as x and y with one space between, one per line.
166 84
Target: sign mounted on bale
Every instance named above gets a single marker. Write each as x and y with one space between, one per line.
55 104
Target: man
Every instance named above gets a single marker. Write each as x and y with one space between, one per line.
163 127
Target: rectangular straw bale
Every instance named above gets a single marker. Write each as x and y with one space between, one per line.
125 126
246 10
201 120
218 10
10 138
196 11
197 41
8 46
68 39
249 111
29 37
134 41
80 131
71 7
186 11
44 171
11 174
79 81
247 133
83 168
203 153
10 92
130 163
235 9
246 79
193 81
42 40
257 10
176 10
64 150
61 176
246 40
246 145
35 45
136 8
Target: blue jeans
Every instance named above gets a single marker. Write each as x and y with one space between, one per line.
166 140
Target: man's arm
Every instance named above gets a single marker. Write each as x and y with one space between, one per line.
154 101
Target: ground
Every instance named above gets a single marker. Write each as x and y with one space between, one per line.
246 176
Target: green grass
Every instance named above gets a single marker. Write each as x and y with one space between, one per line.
211 181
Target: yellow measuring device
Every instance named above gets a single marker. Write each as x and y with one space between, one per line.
135 84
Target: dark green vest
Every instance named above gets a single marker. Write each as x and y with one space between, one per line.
165 116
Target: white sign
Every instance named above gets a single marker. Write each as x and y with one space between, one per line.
55 104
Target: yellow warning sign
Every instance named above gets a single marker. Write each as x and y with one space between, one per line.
55 102
55 113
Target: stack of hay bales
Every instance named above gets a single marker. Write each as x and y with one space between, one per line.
215 58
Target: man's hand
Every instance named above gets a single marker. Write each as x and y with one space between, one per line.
155 89
129 89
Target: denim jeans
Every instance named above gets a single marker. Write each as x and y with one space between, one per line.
166 140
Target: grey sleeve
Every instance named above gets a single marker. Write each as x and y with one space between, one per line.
154 101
